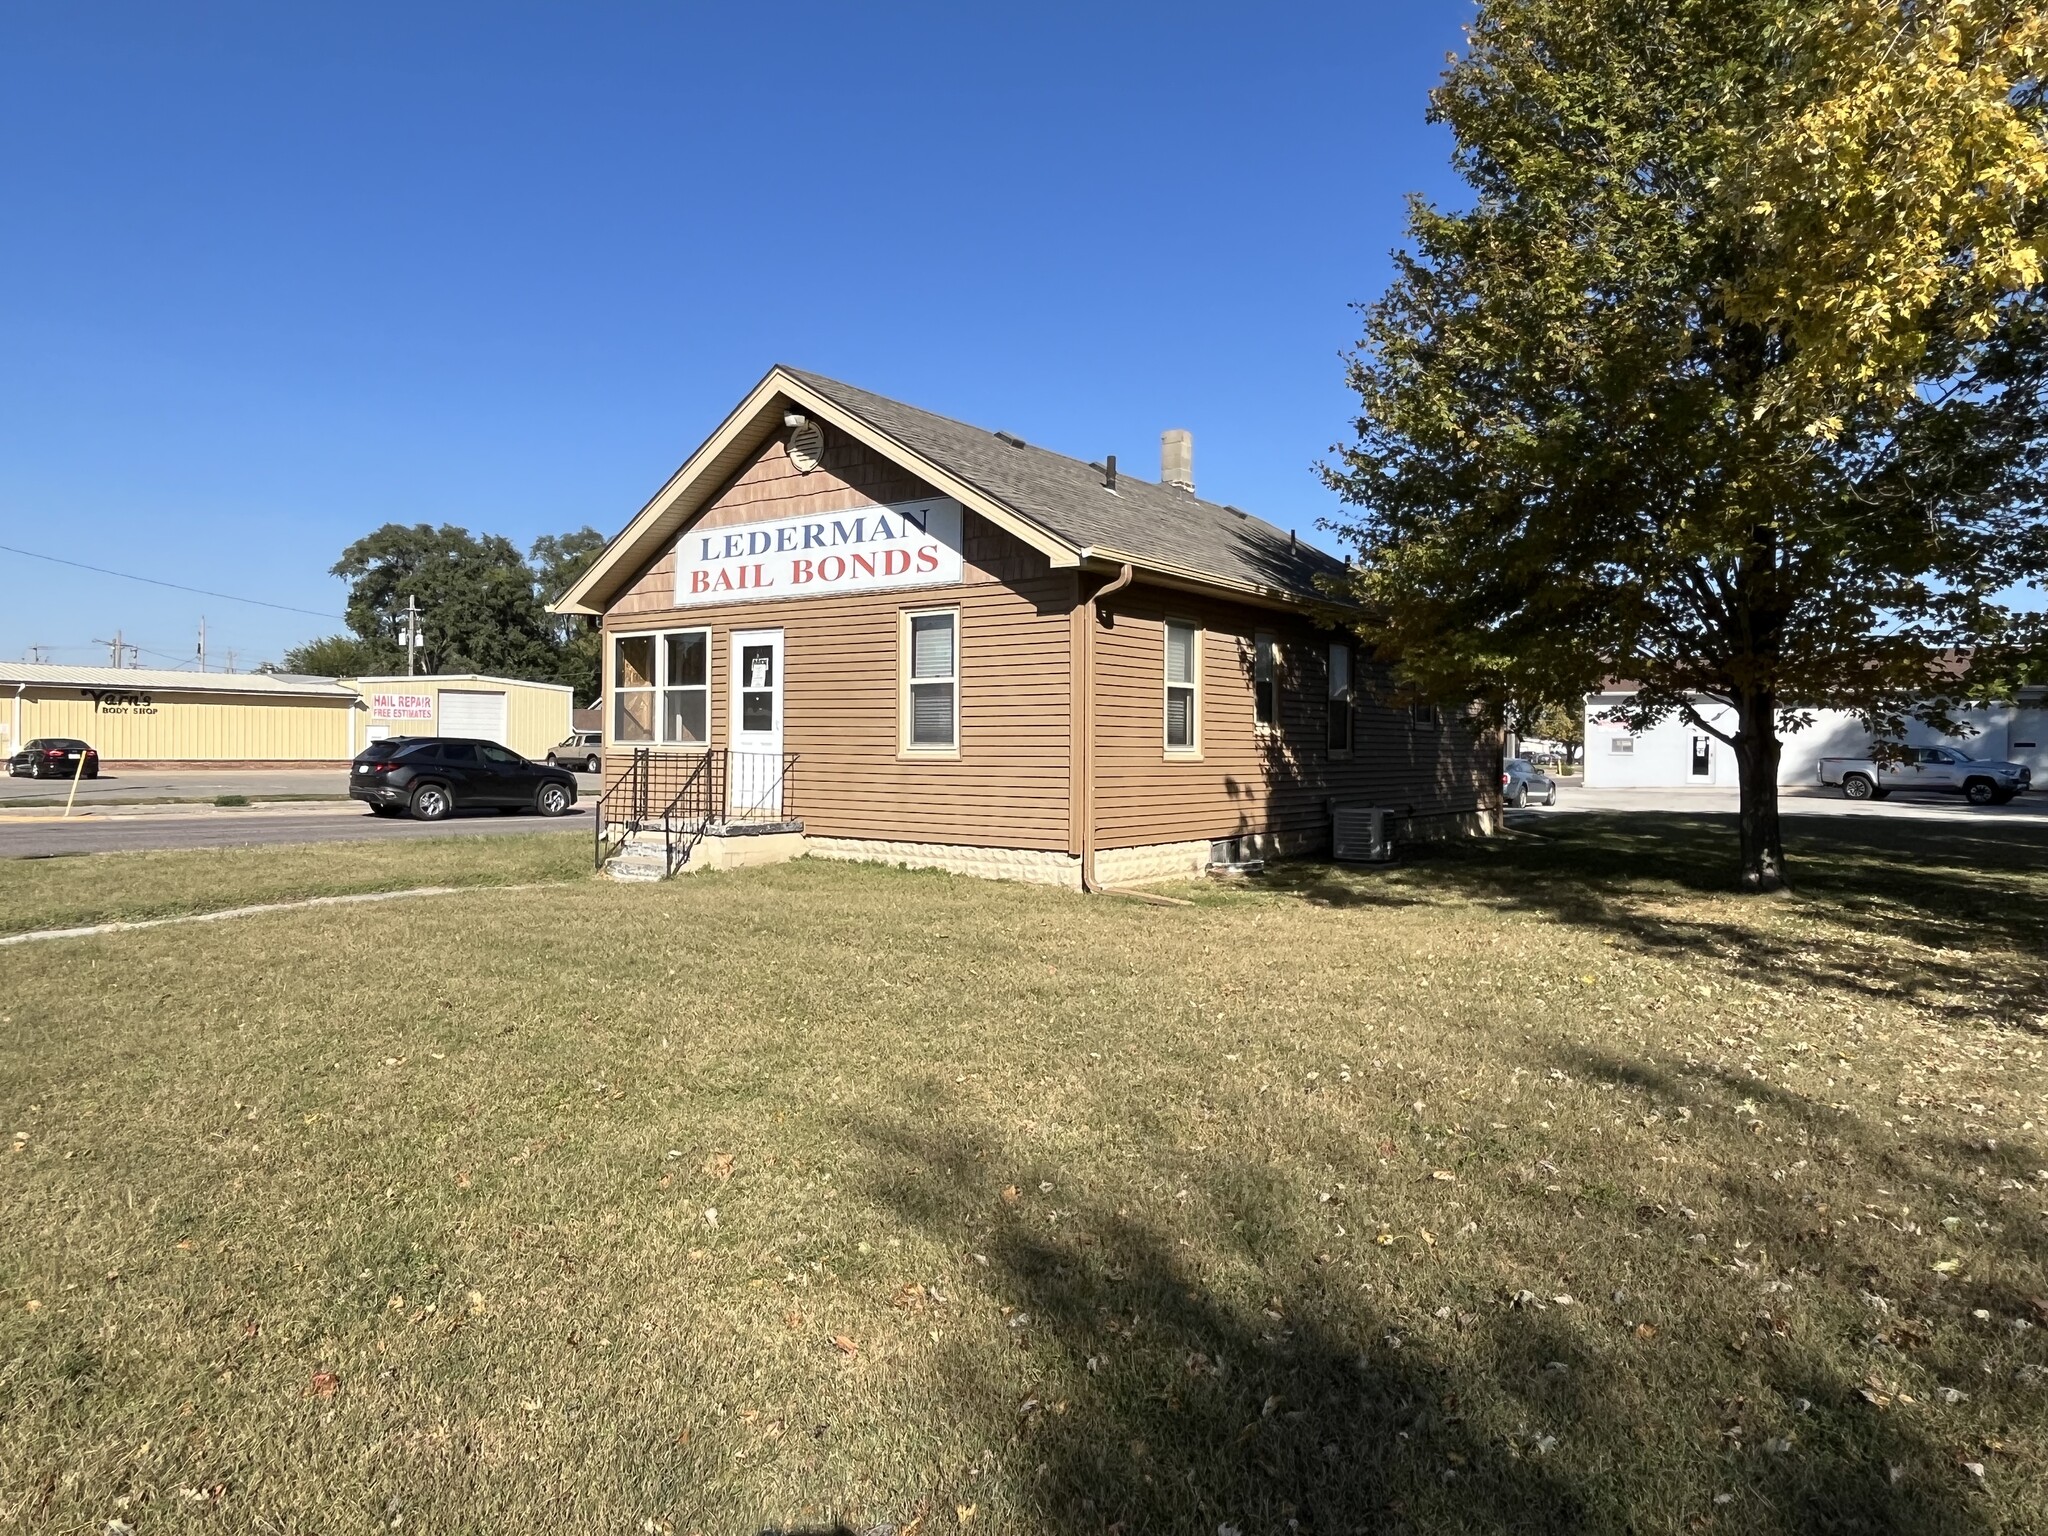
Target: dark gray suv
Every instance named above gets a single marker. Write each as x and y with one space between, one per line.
430 777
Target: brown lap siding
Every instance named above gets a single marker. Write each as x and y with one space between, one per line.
1245 780
1007 788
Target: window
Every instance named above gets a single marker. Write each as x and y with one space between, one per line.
661 687
1183 687
500 757
686 687
1621 746
1424 715
457 752
931 688
1340 700
1265 683
633 688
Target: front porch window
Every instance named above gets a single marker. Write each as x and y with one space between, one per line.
661 688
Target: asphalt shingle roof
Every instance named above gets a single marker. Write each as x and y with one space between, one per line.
1148 522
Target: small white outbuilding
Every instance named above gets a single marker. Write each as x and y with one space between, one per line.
1676 754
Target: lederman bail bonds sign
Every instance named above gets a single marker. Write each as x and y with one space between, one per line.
910 544
401 706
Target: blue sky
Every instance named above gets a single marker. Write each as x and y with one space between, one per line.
273 275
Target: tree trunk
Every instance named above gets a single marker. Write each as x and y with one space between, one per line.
1756 763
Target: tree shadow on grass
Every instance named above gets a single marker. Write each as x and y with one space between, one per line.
1845 1259
1946 915
1161 1405
1281 1394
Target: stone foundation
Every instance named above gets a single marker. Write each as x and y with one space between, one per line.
1037 865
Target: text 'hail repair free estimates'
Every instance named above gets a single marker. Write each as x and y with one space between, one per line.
910 544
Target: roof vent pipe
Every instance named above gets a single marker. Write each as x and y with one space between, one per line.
1177 459
1109 472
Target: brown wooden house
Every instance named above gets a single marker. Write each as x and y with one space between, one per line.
900 637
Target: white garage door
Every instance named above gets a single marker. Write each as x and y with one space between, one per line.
466 713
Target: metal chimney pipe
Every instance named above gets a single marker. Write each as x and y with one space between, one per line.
1177 459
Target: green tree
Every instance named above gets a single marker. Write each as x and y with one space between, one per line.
341 656
479 611
1561 723
1731 376
557 561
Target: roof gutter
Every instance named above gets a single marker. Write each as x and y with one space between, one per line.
1084 745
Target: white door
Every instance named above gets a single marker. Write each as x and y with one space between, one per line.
467 712
754 779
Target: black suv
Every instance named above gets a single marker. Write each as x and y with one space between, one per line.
427 777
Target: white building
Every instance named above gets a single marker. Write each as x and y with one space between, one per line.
1676 754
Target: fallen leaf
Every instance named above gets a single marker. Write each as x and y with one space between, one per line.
324 1384
844 1345
719 1165
1443 1176
1011 1194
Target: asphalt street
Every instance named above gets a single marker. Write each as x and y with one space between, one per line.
2030 809
22 838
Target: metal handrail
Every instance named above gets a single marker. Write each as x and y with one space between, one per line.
686 819
701 777
632 785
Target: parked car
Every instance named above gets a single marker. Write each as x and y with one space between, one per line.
430 777
1942 769
54 757
583 749
1522 781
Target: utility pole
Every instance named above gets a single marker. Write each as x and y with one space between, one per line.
411 636
36 654
231 658
202 642
115 648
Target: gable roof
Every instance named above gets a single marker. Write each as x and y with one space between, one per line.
1056 504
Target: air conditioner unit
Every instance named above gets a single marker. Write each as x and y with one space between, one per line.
1361 834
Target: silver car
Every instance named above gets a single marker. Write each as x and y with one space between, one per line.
584 751
1521 781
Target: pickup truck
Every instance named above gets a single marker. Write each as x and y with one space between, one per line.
1931 768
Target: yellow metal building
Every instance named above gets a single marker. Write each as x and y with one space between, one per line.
527 717
138 716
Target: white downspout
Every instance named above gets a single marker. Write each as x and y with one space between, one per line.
14 741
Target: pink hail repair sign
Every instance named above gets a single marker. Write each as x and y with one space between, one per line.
910 544
401 706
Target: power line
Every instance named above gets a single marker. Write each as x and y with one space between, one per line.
228 597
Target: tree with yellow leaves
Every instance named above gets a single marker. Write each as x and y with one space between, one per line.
1733 377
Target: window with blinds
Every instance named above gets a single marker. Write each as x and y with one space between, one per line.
1341 712
931 671
1183 687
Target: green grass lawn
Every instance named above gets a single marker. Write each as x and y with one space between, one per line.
120 887
1535 1185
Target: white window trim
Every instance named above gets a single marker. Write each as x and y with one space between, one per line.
905 747
1193 750
659 688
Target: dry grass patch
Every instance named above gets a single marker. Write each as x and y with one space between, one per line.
78 890
1503 1191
